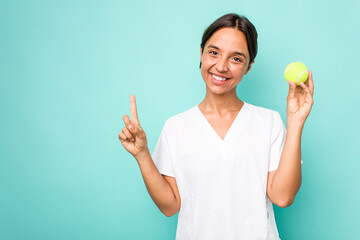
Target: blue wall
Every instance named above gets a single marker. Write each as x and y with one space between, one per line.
67 69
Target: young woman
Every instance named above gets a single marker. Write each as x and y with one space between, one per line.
223 162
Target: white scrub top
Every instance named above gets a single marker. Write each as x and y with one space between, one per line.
222 183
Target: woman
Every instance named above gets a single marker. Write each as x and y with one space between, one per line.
223 162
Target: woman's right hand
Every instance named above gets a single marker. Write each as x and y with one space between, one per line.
133 137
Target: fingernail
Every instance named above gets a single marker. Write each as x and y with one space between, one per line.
131 127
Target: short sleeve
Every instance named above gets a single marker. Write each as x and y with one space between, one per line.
278 134
162 154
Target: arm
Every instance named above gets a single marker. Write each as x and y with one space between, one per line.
285 182
163 191
158 187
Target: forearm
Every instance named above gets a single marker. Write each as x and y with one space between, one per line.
158 188
287 179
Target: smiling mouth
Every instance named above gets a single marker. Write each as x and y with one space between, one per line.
219 78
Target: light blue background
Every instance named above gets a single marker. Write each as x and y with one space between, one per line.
67 69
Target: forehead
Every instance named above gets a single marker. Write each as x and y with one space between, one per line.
229 39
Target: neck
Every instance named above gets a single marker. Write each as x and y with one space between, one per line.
221 103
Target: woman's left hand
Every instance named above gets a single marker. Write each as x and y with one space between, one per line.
300 101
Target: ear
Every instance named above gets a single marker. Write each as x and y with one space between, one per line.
201 53
249 67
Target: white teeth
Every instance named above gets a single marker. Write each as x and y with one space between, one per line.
218 78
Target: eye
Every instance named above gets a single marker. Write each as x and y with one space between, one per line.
238 59
213 52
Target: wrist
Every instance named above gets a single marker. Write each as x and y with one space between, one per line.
294 125
142 155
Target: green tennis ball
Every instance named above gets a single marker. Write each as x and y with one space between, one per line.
296 72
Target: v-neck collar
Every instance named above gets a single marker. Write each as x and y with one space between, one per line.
204 122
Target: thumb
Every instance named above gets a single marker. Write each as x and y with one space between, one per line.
292 88
136 130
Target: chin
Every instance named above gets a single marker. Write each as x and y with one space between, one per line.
217 91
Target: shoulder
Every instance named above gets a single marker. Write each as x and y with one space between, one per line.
265 114
181 119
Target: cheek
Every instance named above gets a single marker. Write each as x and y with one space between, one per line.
239 69
208 61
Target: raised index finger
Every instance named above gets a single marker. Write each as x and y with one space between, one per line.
133 110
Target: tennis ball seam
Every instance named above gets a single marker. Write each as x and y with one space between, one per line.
288 68
297 80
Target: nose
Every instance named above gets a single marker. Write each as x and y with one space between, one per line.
222 66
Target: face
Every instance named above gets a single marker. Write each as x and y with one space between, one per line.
225 60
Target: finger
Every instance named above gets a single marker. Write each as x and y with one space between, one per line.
127 133
311 83
127 121
122 136
292 87
133 110
298 89
307 82
305 89
130 126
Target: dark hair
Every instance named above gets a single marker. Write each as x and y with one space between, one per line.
240 23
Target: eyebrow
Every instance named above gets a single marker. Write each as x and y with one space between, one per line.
238 53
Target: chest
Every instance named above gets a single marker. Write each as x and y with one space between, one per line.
200 155
221 125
